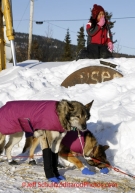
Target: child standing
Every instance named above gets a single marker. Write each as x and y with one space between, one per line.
99 41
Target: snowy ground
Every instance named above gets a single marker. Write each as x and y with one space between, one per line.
112 122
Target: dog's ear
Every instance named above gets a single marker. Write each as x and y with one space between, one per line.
88 106
38 133
105 147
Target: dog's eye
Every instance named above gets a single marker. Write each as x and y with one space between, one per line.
87 117
78 117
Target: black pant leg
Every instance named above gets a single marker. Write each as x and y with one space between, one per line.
93 51
104 52
47 159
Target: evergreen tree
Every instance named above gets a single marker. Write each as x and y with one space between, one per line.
36 52
81 39
110 23
67 55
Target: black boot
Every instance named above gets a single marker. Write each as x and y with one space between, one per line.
55 164
47 159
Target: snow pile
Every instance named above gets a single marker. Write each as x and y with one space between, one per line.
112 119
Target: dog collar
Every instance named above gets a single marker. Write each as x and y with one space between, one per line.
73 128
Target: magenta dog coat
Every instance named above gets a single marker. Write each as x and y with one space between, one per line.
72 141
16 116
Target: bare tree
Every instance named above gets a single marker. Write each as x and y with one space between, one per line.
49 33
48 41
118 47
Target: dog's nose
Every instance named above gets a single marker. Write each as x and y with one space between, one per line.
84 126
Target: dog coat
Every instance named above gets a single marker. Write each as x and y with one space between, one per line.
72 141
28 116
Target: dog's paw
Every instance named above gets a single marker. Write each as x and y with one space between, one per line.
104 170
13 162
86 171
61 178
32 162
54 179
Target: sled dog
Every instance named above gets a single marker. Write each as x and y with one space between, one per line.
48 121
76 144
73 145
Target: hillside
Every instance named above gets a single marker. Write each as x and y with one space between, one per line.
46 49
43 48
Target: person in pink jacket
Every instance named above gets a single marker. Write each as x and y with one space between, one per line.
99 39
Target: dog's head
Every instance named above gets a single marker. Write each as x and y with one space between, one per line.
98 153
73 114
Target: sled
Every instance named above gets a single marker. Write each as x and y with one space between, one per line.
92 75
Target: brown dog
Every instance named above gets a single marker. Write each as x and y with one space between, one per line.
74 144
85 144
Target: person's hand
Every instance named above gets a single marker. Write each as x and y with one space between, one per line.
101 21
110 46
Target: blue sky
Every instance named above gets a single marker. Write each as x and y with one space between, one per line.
78 10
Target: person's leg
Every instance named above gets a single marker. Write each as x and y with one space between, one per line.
104 52
93 51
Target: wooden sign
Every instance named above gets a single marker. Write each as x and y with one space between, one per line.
91 75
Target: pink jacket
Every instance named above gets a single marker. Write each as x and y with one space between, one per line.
28 116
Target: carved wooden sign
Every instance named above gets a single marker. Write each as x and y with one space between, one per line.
91 75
